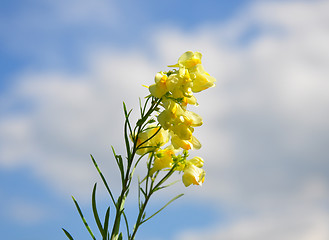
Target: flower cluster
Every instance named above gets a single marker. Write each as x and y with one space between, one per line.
176 124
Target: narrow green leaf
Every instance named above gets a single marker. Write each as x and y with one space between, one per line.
119 162
103 179
98 222
125 110
178 196
159 188
145 105
127 139
83 219
140 106
106 224
126 222
127 114
139 193
67 234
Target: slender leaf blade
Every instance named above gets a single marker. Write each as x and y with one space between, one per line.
178 196
106 224
103 178
168 185
83 218
94 207
67 234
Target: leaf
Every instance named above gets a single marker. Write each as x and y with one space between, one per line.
127 124
103 178
119 161
67 234
83 219
98 222
126 222
106 223
178 196
125 110
140 106
168 185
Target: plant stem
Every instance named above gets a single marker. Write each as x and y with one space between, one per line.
127 179
139 220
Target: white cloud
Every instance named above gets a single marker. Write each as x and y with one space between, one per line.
26 213
290 226
67 117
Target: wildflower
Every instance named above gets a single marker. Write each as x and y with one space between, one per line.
160 87
183 131
175 88
201 79
188 60
193 175
172 111
151 139
163 159
179 84
192 143
191 119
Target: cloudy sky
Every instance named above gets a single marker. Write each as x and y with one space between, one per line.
67 66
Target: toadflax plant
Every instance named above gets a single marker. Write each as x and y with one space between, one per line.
162 137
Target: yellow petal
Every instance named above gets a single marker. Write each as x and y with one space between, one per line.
193 175
182 131
190 59
157 91
197 161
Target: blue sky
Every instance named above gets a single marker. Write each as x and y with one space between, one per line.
66 67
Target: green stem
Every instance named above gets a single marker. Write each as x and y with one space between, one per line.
153 188
140 215
127 179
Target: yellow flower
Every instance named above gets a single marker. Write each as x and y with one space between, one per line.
192 143
193 175
189 100
182 131
201 79
163 159
160 87
181 125
172 111
147 141
179 84
174 81
188 60
192 119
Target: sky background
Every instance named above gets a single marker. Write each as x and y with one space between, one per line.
67 66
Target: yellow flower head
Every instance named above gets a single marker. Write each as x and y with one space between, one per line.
192 143
201 79
193 175
188 60
160 87
163 159
151 140
169 115
191 119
